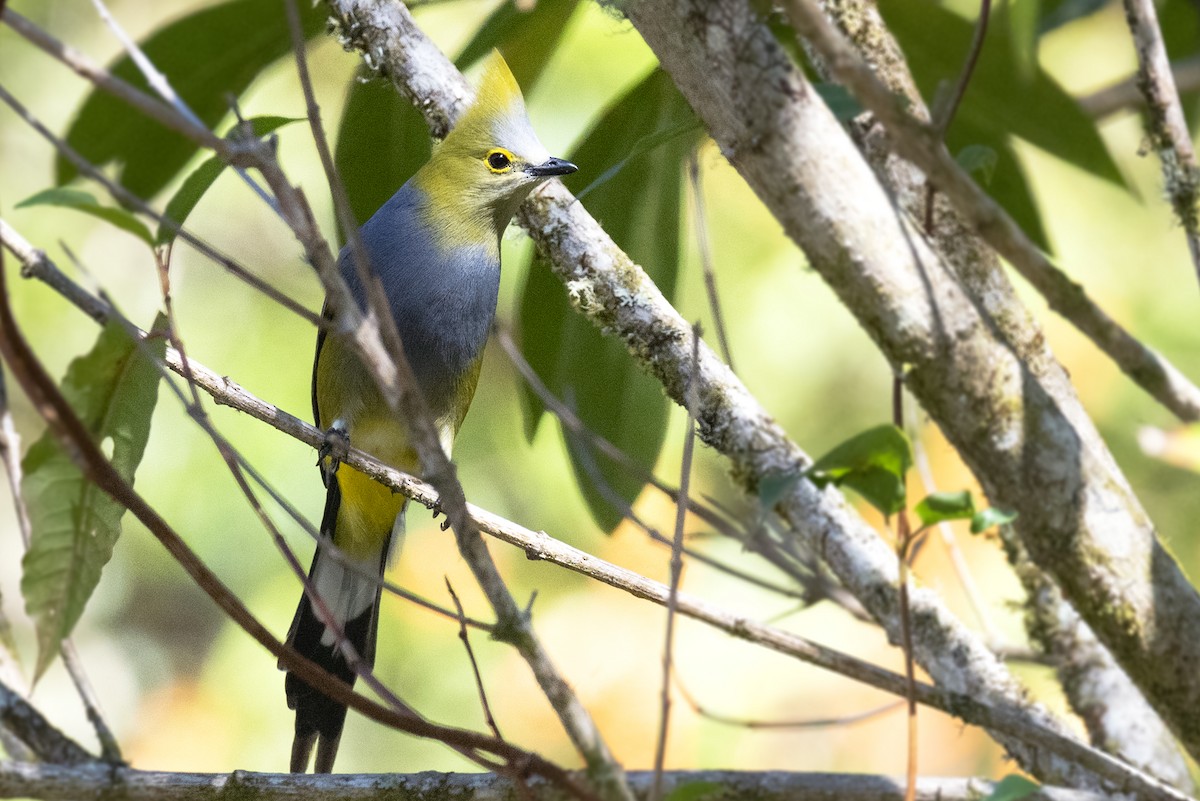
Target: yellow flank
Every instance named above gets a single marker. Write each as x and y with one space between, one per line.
366 515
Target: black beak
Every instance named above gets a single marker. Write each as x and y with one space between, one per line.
551 167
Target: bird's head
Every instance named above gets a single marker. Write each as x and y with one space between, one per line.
489 162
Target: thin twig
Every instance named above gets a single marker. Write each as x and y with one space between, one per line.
488 717
961 569
78 445
1165 121
685 473
162 86
1125 94
944 116
903 543
128 198
571 422
806 723
918 142
27 724
706 257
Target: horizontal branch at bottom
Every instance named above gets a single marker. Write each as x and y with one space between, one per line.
98 781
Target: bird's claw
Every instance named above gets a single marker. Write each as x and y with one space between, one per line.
333 449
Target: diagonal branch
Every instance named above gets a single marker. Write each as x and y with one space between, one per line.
615 293
1008 409
540 546
1165 121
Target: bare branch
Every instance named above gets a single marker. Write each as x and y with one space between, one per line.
540 546
617 295
98 783
1017 422
1165 121
918 143
1126 94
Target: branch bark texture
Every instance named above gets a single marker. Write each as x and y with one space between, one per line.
1008 408
615 293
99 782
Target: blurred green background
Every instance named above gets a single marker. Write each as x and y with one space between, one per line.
185 690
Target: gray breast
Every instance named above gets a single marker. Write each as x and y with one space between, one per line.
443 302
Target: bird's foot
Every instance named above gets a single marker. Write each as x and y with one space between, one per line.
334 449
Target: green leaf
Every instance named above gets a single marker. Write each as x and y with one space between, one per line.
1013 788
941 506
526 38
694 791
979 159
999 104
989 518
1021 17
1060 12
640 207
843 104
184 201
873 464
207 56
82 201
113 389
382 140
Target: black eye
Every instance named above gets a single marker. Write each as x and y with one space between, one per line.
497 160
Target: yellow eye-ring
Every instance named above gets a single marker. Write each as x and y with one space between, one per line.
498 160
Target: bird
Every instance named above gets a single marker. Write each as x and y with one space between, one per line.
435 247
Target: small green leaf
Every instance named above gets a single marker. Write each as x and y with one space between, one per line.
843 104
942 506
693 791
978 159
773 486
208 56
873 464
184 201
1013 788
79 200
989 518
113 389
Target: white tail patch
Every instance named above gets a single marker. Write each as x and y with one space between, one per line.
346 592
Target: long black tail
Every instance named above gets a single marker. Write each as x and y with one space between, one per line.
319 719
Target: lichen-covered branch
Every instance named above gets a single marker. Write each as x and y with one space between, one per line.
1165 122
1116 714
1013 723
1008 408
616 295
98 782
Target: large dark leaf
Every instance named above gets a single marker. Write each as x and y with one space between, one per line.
640 207
999 102
382 140
1038 110
113 389
207 56
526 38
